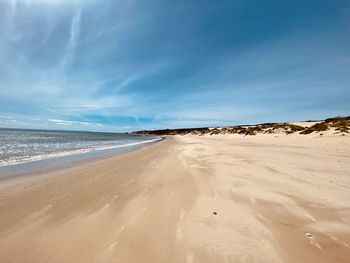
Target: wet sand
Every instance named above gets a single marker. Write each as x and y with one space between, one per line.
225 198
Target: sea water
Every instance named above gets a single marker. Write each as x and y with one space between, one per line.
18 146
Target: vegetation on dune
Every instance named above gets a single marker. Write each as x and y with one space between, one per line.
340 124
318 127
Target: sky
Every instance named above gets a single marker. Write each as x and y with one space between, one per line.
121 66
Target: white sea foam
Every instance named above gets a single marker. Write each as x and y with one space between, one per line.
39 157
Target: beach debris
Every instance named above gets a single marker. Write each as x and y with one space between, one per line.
308 235
313 242
215 213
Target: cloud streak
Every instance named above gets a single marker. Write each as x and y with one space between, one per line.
73 39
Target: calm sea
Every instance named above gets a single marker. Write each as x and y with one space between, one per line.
22 146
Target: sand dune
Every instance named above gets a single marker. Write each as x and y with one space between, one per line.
224 198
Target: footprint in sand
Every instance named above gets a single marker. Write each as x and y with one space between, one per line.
112 246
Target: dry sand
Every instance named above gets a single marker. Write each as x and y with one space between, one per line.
277 198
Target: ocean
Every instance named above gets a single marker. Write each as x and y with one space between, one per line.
18 146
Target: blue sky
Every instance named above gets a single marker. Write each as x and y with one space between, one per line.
136 64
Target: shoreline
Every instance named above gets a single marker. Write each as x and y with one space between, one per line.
58 162
223 198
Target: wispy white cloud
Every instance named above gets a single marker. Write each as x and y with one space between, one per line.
67 122
73 39
12 11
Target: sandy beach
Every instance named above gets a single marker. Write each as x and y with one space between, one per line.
224 198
